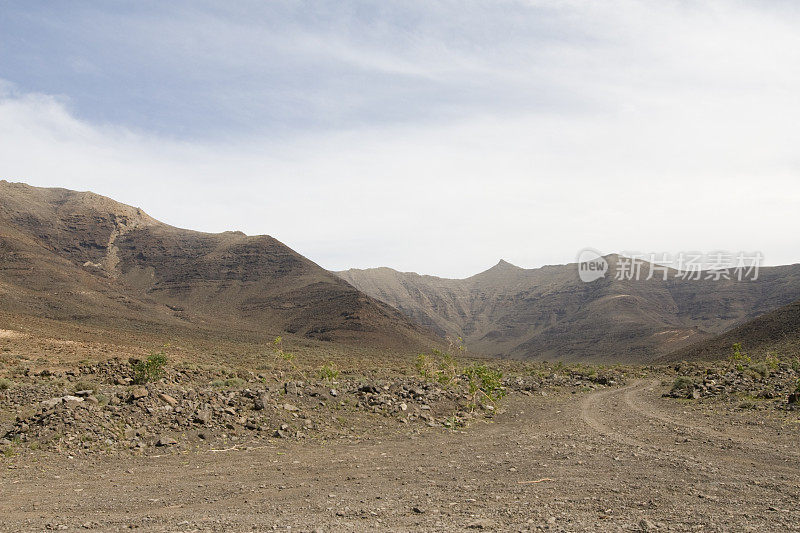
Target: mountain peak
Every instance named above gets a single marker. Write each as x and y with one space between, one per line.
503 265
502 270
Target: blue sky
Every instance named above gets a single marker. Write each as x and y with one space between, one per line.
197 70
434 136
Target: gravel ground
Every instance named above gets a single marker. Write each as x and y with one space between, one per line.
615 459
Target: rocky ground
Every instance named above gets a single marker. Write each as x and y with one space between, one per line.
617 458
198 447
100 407
766 384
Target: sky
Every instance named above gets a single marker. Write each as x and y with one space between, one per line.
424 135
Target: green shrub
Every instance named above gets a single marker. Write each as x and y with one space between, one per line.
439 366
772 361
453 422
759 371
423 365
484 383
229 383
328 372
682 384
5 384
739 359
85 385
447 371
151 369
284 361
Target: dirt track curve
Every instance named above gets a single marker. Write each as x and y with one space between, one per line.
621 459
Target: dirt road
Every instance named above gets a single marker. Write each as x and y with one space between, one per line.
618 459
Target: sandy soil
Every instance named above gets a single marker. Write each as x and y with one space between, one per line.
617 459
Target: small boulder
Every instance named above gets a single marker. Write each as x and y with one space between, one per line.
202 416
481 523
52 402
168 399
137 393
260 402
71 400
166 440
646 525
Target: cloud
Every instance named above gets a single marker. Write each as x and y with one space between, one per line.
524 130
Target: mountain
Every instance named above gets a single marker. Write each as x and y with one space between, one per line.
777 331
549 313
79 257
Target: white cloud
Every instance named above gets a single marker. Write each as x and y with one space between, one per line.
663 127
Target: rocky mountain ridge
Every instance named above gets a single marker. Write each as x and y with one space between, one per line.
549 313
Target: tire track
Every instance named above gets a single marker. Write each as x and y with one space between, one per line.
635 400
737 462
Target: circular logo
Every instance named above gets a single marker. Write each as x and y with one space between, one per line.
591 265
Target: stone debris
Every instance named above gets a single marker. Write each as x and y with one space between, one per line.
187 408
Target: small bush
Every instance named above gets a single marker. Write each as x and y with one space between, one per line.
447 370
484 383
739 359
328 372
758 371
772 361
424 366
439 366
85 385
284 361
5 384
453 422
151 369
230 383
682 384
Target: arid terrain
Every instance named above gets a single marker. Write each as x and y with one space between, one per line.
613 459
387 444
400 266
548 313
162 379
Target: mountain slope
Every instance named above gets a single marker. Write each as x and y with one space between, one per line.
548 313
78 256
777 331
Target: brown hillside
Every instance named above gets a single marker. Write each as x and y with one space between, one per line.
777 331
77 256
548 313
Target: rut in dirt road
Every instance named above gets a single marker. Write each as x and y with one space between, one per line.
623 414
